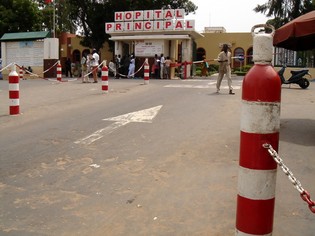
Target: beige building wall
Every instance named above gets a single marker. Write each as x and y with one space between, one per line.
105 54
212 43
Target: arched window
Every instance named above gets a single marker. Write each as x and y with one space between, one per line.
86 52
249 57
76 56
200 53
237 62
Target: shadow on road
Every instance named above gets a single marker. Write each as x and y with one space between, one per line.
298 131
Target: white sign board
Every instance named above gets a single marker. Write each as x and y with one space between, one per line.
25 53
148 48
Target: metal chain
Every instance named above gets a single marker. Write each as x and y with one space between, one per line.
303 193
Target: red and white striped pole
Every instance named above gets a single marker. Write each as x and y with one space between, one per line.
21 73
146 74
105 77
14 92
59 72
260 123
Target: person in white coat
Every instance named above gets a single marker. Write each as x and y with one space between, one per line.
132 65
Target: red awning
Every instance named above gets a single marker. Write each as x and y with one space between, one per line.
298 34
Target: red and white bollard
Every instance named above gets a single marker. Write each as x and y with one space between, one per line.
21 73
260 123
14 92
146 74
59 72
105 78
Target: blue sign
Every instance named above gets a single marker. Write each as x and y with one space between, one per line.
240 57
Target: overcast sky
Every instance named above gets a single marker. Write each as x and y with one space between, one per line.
233 15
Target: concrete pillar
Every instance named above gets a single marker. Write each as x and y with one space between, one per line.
118 48
187 54
173 56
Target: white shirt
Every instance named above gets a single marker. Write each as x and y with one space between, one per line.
96 58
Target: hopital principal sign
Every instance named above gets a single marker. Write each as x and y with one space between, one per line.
150 20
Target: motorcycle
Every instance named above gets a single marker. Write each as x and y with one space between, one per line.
296 77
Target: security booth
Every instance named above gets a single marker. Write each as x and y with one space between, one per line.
154 32
30 49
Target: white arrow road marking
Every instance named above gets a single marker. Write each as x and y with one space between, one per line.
144 116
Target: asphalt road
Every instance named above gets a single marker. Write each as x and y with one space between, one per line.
157 159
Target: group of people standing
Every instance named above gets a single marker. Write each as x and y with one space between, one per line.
90 63
161 67
124 66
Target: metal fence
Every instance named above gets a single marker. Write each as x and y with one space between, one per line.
294 58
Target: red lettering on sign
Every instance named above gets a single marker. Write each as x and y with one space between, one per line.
179 13
128 15
118 27
148 25
168 14
168 25
138 25
179 25
128 26
190 24
109 27
119 16
138 15
158 14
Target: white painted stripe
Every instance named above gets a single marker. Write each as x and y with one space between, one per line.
146 74
14 102
239 233
257 184
100 133
104 82
260 117
104 72
14 87
199 86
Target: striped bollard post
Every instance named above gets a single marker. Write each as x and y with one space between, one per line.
105 78
260 124
59 72
146 74
14 92
21 73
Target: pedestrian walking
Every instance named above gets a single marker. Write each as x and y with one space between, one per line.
224 59
132 65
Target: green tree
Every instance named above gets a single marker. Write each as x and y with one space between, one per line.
19 16
90 15
284 11
61 10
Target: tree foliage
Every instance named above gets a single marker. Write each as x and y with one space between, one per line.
19 16
284 11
